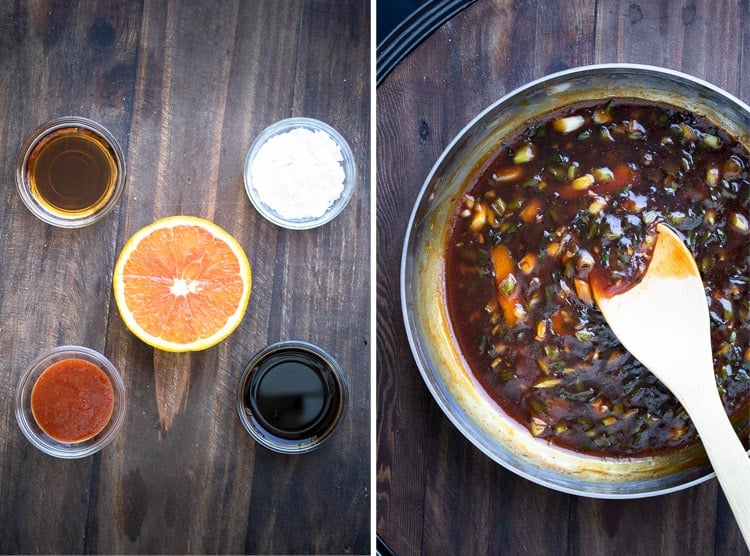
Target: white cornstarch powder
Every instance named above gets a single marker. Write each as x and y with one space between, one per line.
298 174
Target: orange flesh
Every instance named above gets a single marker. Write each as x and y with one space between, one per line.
181 283
72 400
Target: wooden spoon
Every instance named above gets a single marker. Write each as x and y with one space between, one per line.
663 321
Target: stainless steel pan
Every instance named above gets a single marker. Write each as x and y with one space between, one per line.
422 281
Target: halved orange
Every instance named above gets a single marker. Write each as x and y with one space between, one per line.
182 284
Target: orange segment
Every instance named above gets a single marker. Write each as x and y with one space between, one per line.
182 284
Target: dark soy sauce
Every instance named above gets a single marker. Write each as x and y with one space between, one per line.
293 395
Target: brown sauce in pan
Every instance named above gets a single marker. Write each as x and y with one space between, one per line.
576 196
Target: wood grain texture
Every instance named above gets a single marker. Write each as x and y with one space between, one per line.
185 87
434 489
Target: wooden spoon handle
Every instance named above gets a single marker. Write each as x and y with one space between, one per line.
728 457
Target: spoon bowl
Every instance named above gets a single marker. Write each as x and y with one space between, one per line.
663 321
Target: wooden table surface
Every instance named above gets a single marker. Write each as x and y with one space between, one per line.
185 86
434 488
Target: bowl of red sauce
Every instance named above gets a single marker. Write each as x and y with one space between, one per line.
557 182
70 402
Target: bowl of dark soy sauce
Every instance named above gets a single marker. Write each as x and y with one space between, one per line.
291 397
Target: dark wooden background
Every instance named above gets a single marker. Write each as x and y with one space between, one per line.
185 86
436 493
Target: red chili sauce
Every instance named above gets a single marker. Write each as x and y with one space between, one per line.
578 195
72 400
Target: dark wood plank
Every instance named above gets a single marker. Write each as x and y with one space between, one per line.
186 86
435 490
70 60
494 58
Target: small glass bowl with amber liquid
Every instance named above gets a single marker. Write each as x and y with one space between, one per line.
70 172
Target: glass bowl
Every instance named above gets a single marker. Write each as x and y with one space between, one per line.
34 432
284 163
291 397
93 147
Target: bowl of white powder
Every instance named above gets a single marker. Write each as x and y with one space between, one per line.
299 173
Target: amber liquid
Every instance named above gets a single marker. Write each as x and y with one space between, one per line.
72 172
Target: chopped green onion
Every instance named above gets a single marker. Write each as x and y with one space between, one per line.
498 205
711 141
580 396
712 176
739 222
537 427
635 129
546 382
597 205
543 365
686 132
568 124
603 175
671 184
526 153
676 218
605 134
508 285
649 217
692 240
604 257
533 181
